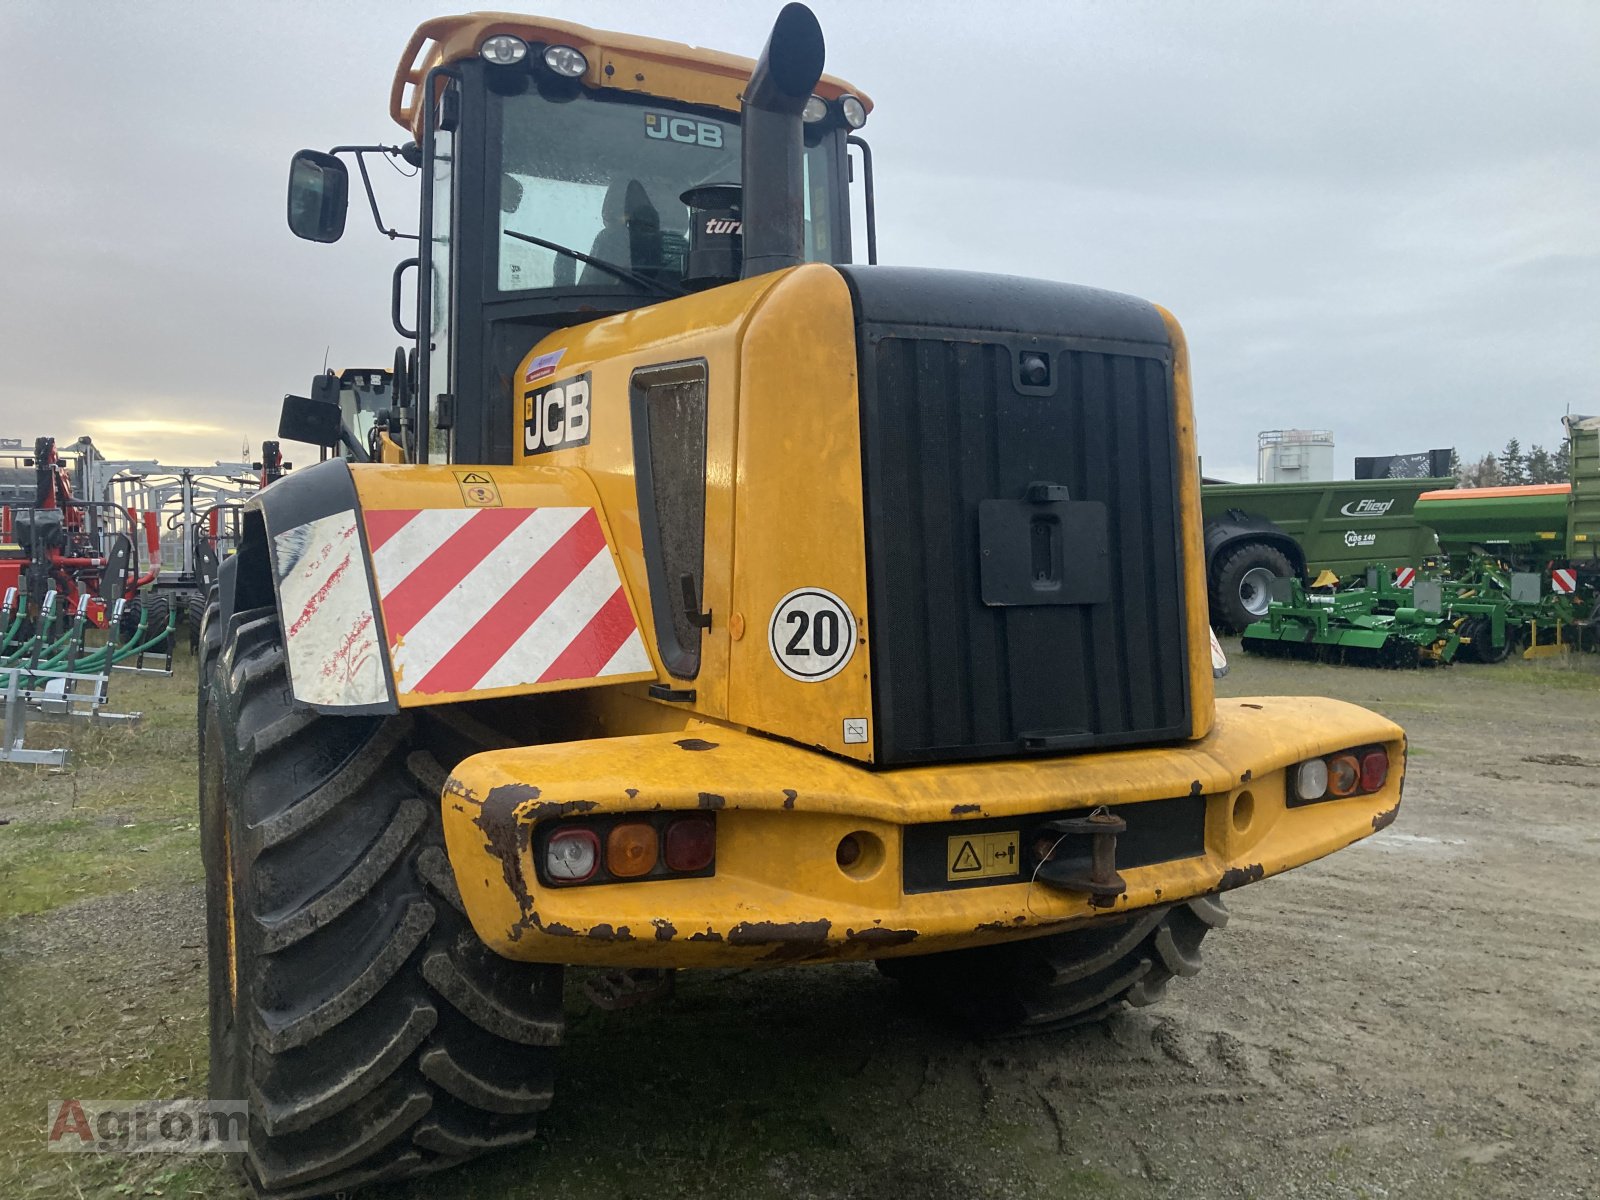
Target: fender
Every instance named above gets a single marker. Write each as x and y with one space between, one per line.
404 586
1235 526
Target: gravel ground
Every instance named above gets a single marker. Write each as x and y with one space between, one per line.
1416 1016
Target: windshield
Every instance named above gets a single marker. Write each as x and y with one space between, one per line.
604 177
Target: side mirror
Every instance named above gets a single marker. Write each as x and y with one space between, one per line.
314 418
319 196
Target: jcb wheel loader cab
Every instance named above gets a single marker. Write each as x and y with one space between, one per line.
749 606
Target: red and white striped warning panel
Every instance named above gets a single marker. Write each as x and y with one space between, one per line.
477 599
1404 577
1564 580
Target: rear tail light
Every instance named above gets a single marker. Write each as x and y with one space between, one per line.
572 855
691 844
1356 772
1374 770
632 850
628 849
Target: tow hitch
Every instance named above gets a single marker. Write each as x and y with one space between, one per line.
1079 854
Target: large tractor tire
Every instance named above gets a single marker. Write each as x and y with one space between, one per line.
1066 979
1241 584
373 1035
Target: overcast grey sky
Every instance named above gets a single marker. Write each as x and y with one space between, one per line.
1378 218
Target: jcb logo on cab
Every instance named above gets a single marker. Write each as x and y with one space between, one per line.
556 417
682 129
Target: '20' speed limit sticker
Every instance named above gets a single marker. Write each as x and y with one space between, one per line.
812 635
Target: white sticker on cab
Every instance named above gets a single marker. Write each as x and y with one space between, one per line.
812 635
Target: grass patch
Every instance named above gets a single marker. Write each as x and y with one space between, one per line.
47 864
146 772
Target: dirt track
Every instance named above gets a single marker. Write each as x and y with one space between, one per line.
1417 1016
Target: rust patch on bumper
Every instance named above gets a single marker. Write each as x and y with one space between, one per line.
497 818
957 809
999 926
694 744
878 936
789 797
711 800
1385 819
756 933
1239 876
665 930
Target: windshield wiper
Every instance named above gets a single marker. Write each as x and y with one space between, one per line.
599 264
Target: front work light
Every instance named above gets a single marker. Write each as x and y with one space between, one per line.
565 61
816 108
855 112
503 50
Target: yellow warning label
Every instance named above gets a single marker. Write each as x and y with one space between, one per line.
478 489
981 856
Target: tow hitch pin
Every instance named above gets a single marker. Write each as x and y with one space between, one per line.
1070 865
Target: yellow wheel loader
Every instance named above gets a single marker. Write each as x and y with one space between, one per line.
706 599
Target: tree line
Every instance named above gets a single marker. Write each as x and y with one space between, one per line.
1511 467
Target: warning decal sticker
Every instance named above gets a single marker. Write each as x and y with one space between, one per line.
478 489
481 598
981 856
812 635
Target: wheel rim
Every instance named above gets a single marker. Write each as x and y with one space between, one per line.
1255 590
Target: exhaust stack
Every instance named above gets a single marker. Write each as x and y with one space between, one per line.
774 142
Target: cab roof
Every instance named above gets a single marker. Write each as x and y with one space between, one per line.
620 61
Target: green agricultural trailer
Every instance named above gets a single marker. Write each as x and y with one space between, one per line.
1523 525
1529 527
1583 501
1258 532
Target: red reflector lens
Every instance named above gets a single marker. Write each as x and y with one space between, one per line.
691 844
1374 770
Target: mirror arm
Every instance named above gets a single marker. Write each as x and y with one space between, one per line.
358 452
361 153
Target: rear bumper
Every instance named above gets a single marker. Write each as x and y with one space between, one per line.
778 893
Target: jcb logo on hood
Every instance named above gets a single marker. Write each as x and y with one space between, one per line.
1367 508
556 417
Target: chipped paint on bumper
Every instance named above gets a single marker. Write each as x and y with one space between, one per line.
779 896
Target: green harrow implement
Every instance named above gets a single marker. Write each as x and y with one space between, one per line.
1485 615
